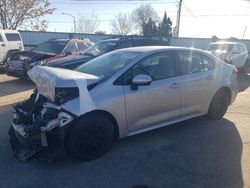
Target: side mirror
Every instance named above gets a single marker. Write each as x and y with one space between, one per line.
141 80
68 53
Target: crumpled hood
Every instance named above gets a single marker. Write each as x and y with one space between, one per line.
30 55
49 78
68 61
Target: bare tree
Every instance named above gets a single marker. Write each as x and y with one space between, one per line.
122 24
24 13
141 15
88 24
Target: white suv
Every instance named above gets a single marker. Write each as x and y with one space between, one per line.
231 52
10 40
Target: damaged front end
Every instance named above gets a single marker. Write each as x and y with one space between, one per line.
38 129
40 124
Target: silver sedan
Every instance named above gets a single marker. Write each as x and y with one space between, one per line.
123 93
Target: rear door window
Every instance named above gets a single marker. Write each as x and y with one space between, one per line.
1 39
192 62
208 64
13 36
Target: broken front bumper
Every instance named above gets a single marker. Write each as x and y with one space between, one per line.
43 146
40 139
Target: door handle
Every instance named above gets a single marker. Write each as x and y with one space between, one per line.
210 77
175 85
3 45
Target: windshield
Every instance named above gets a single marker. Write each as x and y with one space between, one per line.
100 48
107 65
220 47
53 47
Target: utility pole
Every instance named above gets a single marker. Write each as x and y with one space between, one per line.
244 32
178 18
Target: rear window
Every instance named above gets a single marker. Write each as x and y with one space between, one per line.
13 37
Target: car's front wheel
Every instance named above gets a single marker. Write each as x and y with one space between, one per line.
91 137
219 104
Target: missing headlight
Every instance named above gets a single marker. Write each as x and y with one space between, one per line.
62 95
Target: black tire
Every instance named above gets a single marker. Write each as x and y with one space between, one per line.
219 104
90 137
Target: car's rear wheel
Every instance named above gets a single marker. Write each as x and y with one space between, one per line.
219 104
91 137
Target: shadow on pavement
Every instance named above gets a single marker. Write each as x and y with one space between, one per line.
5 121
243 82
194 153
15 86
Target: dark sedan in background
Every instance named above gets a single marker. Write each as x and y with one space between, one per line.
19 63
104 46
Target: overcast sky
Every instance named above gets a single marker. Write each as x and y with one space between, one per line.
200 18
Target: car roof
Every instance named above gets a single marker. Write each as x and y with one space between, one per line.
133 38
146 49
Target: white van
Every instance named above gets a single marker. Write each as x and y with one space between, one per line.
10 40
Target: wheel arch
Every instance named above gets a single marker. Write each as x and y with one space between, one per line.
228 91
109 116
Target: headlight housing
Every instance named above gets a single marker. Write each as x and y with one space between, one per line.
63 95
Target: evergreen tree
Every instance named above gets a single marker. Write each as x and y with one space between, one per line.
149 28
165 27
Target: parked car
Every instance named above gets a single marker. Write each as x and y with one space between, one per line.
103 47
231 52
10 40
20 62
119 94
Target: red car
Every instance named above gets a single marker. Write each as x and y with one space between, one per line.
18 63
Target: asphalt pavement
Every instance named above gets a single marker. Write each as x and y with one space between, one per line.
194 153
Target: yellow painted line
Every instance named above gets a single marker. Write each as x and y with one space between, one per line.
14 98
